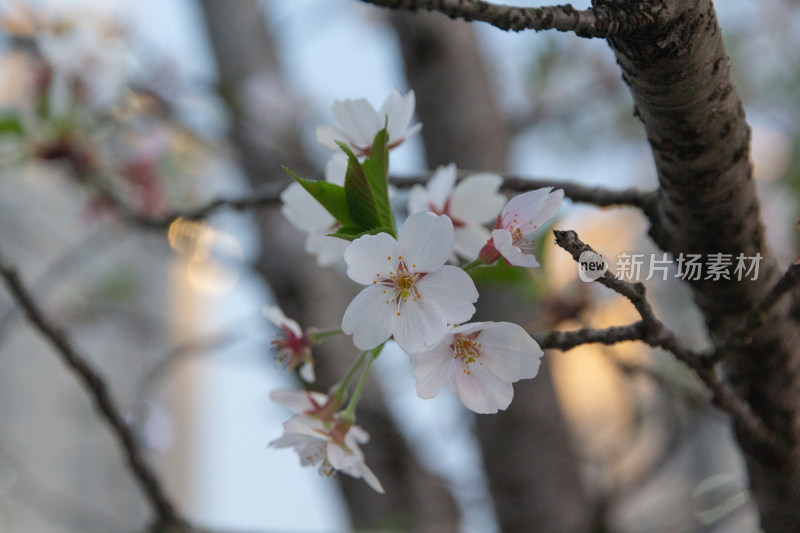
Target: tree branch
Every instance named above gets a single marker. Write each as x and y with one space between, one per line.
658 335
105 404
599 196
589 23
566 340
270 196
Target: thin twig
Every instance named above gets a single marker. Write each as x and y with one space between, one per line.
584 23
267 197
97 388
658 335
566 340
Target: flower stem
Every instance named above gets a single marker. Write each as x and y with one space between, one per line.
345 381
473 264
316 336
349 411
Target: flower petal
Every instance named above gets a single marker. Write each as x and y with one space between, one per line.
358 119
440 186
418 199
481 391
307 373
470 239
336 169
398 111
329 250
433 368
410 132
297 400
425 241
475 198
508 352
532 209
344 459
275 315
420 325
504 244
371 257
453 291
369 318
371 479
328 135
303 211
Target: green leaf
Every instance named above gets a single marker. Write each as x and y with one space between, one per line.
360 197
10 123
332 197
376 170
351 233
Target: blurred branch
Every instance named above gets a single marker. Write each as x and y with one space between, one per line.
658 335
270 196
74 257
97 388
584 23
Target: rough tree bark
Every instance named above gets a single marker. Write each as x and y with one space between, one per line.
532 471
678 74
415 499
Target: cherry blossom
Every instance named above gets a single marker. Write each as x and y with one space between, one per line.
522 215
475 201
294 346
330 447
479 362
411 295
82 51
311 403
308 215
357 123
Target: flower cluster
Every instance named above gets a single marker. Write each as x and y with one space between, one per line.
416 293
322 437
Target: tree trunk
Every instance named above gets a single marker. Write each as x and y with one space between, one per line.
533 473
679 77
415 499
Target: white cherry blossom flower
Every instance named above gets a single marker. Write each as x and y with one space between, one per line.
306 214
329 447
294 345
357 123
479 362
475 201
522 215
411 295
